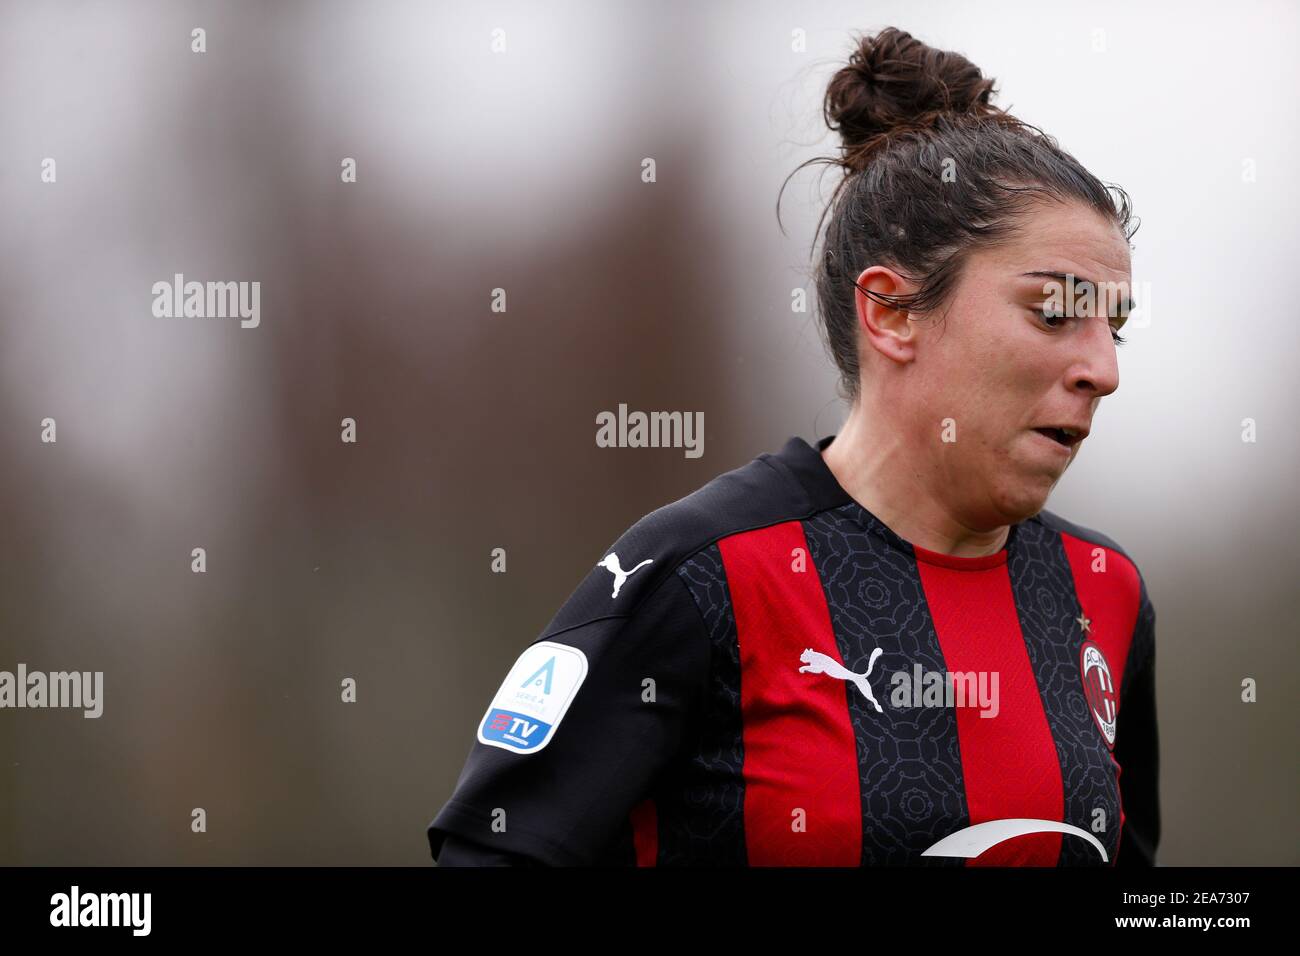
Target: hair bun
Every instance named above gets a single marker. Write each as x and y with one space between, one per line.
893 81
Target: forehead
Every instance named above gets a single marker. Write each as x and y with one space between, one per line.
1065 237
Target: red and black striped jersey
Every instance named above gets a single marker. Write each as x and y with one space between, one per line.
764 673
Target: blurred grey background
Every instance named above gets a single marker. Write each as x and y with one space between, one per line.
520 169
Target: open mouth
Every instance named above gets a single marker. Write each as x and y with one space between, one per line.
1063 436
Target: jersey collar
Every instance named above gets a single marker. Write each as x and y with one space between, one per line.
823 488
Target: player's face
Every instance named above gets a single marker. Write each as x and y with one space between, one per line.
1002 371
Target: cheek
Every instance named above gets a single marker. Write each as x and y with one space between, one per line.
984 371
1016 373
988 386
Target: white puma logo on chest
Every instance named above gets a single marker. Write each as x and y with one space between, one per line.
816 662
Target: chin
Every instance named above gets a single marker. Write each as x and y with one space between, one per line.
1019 502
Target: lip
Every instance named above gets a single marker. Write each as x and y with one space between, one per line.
1065 451
1083 430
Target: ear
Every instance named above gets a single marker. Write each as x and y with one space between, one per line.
882 327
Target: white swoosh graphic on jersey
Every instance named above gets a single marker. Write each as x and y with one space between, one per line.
972 841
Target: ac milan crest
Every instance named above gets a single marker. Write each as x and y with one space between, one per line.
1099 689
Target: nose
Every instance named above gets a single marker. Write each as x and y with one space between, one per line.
1096 368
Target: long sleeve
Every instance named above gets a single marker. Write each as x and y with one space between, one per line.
1137 746
582 726
457 851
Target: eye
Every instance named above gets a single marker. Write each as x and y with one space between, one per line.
1050 318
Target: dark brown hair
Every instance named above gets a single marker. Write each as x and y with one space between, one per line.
906 112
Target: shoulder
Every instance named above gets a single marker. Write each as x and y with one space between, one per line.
636 571
1081 541
1055 522
1105 572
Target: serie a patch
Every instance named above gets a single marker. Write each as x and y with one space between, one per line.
532 700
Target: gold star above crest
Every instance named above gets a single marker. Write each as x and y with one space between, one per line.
1083 622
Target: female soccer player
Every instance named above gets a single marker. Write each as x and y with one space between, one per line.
880 649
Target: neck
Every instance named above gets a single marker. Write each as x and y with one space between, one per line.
893 479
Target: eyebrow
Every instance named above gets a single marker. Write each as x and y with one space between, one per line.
1128 305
